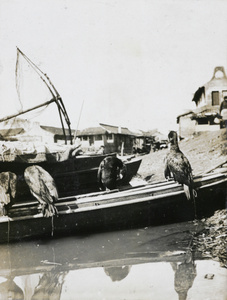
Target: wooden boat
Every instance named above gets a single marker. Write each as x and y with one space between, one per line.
76 175
73 175
151 204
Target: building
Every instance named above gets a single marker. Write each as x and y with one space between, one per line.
57 134
23 130
145 141
113 138
208 97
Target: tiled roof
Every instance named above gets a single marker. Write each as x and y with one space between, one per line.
104 128
183 115
11 132
56 130
203 110
91 131
117 129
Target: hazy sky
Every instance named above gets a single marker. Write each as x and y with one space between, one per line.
135 63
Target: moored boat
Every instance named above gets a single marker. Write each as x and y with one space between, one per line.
151 204
74 174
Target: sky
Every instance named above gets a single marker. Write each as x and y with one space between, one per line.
131 63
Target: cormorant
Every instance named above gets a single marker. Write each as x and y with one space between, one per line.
43 188
8 182
177 164
111 169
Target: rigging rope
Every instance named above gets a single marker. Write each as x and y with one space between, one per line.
17 77
36 69
56 97
78 122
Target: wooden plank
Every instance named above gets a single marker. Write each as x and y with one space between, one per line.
215 167
112 202
139 194
117 194
148 189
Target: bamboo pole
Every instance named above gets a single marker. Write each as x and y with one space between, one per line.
27 110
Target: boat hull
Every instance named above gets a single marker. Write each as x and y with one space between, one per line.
156 204
73 176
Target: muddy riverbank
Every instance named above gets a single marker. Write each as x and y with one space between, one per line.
205 151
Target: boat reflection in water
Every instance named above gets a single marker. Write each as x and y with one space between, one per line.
150 263
117 273
10 290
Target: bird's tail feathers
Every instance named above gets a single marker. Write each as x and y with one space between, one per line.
187 191
190 192
3 211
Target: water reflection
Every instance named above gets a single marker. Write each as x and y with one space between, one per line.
49 286
10 290
117 273
184 275
152 263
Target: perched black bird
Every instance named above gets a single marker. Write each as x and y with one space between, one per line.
43 188
111 169
177 164
8 182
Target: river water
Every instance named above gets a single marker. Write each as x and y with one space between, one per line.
147 263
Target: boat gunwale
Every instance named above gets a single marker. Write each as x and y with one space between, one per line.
5 219
107 195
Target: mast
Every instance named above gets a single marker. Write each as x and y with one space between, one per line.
56 98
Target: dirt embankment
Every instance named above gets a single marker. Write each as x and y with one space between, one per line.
204 151
212 240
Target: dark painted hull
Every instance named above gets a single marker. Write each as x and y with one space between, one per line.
154 204
74 176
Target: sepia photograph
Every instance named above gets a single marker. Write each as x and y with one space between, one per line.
113 149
